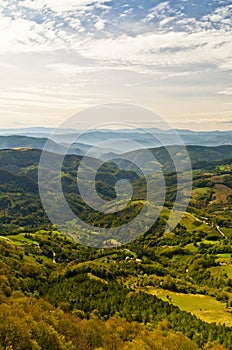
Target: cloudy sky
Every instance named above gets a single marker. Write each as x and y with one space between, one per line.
58 57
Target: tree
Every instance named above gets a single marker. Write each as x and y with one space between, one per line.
4 204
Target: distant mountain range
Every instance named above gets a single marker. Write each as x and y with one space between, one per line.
131 140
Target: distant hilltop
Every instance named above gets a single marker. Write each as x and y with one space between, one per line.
75 142
23 149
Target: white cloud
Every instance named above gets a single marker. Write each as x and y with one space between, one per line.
170 50
94 44
5 65
154 50
211 114
75 70
227 91
59 6
221 17
158 11
99 25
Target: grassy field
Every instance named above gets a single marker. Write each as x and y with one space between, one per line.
204 307
20 239
191 247
196 192
192 223
227 230
222 271
224 256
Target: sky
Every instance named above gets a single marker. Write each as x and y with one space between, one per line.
58 57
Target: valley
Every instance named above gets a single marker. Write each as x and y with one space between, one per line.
182 277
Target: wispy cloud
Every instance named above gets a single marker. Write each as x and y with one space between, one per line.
226 91
114 49
46 32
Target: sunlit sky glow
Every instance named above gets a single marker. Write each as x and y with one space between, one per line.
58 57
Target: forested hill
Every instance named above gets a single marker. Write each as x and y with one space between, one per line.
17 159
22 206
56 294
17 141
164 288
194 153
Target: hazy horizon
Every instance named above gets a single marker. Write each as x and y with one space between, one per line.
46 130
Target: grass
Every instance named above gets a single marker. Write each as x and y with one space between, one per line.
192 223
226 230
224 256
222 271
201 191
204 307
90 275
20 239
207 241
191 248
